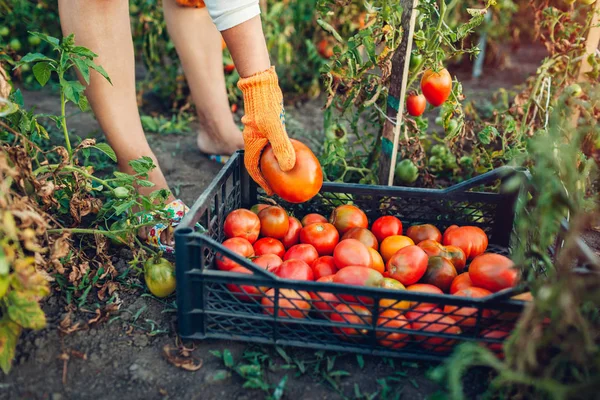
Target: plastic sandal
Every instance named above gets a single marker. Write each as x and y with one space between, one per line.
219 159
173 211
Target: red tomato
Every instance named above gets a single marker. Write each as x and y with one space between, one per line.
471 239
415 104
419 312
301 183
493 272
323 266
242 223
436 86
292 236
467 316
291 303
377 262
462 281
392 244
364 236
244 292
303 252
433 322
457 256
440 273
392 319
296 270
274 222
447 232
408 265
496 332
228 68
347 217
351 252
268 245
325 49
239 246
323 236
313 218
258 208
358 276
389 283
432 248
424 288
351 314
386 226
419 233
324 301
270 262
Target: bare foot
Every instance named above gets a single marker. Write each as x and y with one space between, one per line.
212 141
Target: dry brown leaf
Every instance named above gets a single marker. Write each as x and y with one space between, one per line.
103 314
66 326
173 356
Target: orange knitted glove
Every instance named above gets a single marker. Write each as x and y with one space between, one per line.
264 122
191 3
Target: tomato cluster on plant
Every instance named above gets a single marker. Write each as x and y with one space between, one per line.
346 249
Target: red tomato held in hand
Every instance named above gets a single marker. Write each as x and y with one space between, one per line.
347 217
471 239
324 301
493 272
274 222
244 292
242 223
239 246
296 270
462 281
436 86
358 276
392 319
392 244
292 236
467 316
268 245
386 226
270 262
364 236
291 303
302 252
351 314
324 266
313 218
302 182
351 252
408 265
440 273
419 233
323 236
415 105
424 288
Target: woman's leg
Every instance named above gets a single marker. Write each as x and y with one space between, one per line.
198 44
105 28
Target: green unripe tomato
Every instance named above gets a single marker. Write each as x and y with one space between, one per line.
406 171
25 68
121 192
119 239
574 90
15 44
4 31
34 40
439 150
466 161
415 60
452 126
336 133
435 164
160 277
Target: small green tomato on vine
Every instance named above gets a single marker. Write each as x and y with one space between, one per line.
406 171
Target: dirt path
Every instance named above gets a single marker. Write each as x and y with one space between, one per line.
122 358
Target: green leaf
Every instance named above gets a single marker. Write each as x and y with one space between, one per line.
283 355
9 336
17 97
100 70
83 67
339 373
83 51
124 178
25 310
73 90
330 29
120 209
488 134
216 353
142 165
145 183
4 266
46 38
83 103
227 358
106 149
149 123
360 360
33 57
278 393
42 72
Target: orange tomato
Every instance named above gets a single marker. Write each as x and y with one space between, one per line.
389 283
391 244
377 264
467 316
291 303
395 320
424 288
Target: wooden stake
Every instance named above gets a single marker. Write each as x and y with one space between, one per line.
396 95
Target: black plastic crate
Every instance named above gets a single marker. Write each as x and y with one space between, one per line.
207 308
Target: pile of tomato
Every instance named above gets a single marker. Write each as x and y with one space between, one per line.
345 249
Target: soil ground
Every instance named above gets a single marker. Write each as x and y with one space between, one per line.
122 358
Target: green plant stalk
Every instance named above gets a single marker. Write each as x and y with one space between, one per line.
68 168
63 122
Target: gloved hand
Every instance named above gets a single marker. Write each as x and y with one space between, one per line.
264 123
